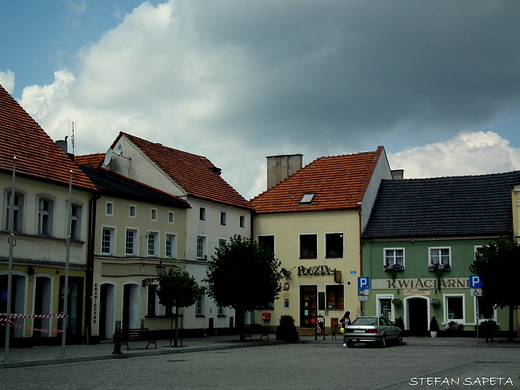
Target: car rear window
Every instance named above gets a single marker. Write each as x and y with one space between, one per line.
365 321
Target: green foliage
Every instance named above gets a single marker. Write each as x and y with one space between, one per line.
287 330
243 275
178 288
499 267
434 325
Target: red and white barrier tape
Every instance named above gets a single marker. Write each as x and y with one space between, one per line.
4 318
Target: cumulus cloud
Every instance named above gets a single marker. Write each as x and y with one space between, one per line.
7 81
236 81
465 154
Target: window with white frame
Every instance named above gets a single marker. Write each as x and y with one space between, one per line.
486 310
45 216
153 244
454 308
75 221
393 257
440 257
171 217
334 245
109 208
107 241
131 242
479 251
308 246
223 218
201 248
242 221
153 214
384 306
221 311
171 246
222 243
132 211
199 305
17 211
202 214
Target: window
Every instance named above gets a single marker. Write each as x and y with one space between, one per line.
131 242
221 311
308 246
202 214
18 212
153 244
153 214
334 243
267 242
201 248
479 251
109 209
75 222
199 305
132 211
307 198
454 306
171 217
335 297
486 311
153 302
45 213
171 246
394 257
107 241
440 256
222 218
222 243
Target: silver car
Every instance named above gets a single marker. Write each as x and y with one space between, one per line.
377 330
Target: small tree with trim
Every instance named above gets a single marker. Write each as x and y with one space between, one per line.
177 288
243 275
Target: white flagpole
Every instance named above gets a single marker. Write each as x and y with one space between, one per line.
67 257
10 267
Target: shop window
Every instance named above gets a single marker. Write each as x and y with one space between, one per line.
454 307
334 243
308 246
335 297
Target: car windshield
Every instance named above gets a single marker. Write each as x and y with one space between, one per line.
365 321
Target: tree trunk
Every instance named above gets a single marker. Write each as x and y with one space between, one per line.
240 315
511 333
176 326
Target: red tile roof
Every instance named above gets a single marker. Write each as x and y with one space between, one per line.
194 174
339 183
92 160
37 155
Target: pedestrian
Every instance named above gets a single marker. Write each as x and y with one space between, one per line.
345 320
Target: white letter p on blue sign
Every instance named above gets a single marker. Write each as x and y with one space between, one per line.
475 281
363 283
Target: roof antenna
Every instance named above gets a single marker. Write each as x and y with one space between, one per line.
72 139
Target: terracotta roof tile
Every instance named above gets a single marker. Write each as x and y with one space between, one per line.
92 160
37 154
338 182
195 174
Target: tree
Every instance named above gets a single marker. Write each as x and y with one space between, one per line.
177 289
243 275
498 267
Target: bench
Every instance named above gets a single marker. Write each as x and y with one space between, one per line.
249 330
141 334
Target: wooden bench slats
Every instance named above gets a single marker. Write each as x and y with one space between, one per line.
141 334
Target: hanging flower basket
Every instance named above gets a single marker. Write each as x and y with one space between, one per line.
439 267
393 269
397 302
435 302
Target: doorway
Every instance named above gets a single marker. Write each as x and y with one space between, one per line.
130 306
417 316
106 311
308 306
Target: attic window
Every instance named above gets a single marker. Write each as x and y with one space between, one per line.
307 198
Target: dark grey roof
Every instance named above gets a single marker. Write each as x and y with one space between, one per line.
109 183
444 206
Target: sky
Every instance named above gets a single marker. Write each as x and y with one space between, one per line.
437 83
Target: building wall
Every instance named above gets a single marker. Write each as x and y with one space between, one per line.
318 272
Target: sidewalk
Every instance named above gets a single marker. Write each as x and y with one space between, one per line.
43 355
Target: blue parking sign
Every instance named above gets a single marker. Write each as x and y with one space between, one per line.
363 283
475 281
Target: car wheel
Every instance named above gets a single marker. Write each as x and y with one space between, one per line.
400 339
350 344
382 343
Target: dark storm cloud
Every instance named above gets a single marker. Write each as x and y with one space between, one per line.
359 67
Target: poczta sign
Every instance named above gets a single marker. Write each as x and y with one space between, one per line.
319 270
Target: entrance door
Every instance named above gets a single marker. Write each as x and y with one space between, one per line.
42 305
418 316
130 306
106 311
308 306
75 308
